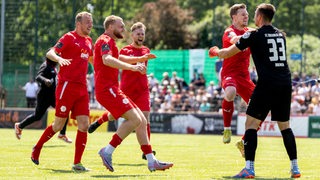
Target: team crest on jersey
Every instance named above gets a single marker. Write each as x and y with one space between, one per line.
105 47
63 109
246 35
125 101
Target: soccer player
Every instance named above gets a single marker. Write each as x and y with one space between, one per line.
273 90
73 51
131 81
46 77
235 77
109 95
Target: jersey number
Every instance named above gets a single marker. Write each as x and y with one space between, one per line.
277 46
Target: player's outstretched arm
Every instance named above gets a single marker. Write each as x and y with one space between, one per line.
135 59
223 53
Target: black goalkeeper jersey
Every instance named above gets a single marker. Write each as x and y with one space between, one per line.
268 49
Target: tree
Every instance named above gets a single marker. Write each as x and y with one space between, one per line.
167 25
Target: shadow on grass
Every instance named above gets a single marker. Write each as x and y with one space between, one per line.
130 176
55 146
133 165
261 178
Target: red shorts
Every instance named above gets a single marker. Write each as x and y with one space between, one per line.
115 101
72 97
141 99
243 85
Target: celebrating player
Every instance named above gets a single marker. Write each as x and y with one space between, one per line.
235 77
73 52
133 82
109 95
273 91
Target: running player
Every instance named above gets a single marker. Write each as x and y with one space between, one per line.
46 77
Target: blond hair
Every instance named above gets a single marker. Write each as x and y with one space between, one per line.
138 25
234 9
109 20
80 15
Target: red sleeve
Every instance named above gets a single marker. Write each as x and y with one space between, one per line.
126 50
62 43
228 33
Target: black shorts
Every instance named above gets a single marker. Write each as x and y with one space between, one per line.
276 99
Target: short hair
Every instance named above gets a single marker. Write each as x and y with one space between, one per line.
267 11
138 25
109 20
80 15
234 9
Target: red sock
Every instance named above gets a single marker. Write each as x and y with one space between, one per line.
80 145
146 149
148 130
227 111
46 135
104 117
115 141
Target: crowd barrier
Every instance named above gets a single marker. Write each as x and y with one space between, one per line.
178 123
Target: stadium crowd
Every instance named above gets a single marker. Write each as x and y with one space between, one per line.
174 94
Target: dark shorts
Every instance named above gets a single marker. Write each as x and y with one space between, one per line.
270 98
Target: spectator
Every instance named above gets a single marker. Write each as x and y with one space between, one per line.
200 82
3 93
165 106
204 106
295 106
152 80
165 79
31 89
176 80
315 88
186 106
211 88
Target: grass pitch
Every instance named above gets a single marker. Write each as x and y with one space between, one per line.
194 157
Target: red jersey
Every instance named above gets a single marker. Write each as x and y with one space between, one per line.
239 63
105 76
79 49
134 81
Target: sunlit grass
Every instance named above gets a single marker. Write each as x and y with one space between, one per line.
194 157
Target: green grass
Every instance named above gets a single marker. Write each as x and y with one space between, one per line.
194 157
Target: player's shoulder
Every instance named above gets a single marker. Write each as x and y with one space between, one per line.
229 29
145 48
249 33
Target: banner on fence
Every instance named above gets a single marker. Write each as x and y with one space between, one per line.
299 126
8 117
314 126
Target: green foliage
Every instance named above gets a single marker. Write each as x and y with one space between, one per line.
166 22
311 56
171 24
194 157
